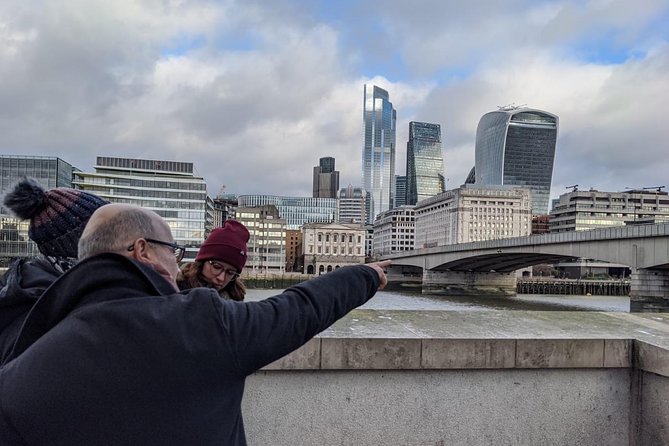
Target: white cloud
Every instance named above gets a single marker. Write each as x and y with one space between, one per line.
254 95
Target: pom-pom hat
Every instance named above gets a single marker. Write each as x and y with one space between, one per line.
227 244
57 216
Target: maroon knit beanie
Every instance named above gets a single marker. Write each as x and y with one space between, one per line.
227 244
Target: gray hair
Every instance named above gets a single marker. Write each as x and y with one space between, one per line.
117 233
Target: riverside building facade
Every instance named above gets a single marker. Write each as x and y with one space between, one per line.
516 147
351 205
296 211
425 162
378 150
50 172
327 247
582 210
473 213
394 231
170 188
267 241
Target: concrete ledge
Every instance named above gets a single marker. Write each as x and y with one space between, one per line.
362 342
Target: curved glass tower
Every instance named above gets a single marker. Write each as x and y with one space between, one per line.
425 162
378 150
516 146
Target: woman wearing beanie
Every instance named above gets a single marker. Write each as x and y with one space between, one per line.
57 219
219 262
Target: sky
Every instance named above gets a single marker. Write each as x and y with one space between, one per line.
255 92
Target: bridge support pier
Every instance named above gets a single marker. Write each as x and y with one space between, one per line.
456 283
649 291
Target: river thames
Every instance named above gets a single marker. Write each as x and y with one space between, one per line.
413 300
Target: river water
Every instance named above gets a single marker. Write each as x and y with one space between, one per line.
412 299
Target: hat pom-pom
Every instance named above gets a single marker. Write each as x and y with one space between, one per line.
27 199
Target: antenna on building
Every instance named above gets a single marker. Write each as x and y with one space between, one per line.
573 188
658 189
511 106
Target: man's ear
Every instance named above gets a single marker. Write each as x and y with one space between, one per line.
140 251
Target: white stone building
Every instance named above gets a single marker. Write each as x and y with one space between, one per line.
394 231
473 213
327 247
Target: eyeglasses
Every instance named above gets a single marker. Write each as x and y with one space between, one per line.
178 250
217 268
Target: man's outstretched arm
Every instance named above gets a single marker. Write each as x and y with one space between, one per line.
262 332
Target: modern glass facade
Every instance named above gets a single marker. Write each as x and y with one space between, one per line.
400 190
516 147
50 172
378 150
296 211
170 188
425 162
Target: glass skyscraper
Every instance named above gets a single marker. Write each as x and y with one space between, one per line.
516 147
378 150
425 162
400 190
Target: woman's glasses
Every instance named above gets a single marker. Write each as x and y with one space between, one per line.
217 268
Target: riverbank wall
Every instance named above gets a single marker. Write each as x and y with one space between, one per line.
469 378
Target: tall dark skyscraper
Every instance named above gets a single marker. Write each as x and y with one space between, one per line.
425 162
516 146
326 179
378 150
400 190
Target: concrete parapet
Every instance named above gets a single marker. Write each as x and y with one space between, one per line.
469 378
458 283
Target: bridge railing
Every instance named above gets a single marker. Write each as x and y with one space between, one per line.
612 233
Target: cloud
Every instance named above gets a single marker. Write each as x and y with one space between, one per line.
254 96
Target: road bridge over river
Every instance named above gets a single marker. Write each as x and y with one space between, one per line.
489 267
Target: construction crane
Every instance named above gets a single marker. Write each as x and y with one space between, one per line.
573 188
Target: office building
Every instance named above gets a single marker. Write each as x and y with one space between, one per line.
582 210
378 150
351 205
425 162
330 246
267 241
400 190
326 179
172 189
516 147
473 213
295 210
224 206
50 172
394 231
294 257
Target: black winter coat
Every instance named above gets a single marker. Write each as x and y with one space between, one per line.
23 283
112 355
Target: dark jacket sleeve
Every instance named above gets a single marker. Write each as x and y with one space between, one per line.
262 332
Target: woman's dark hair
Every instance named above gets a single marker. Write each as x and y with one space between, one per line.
190 276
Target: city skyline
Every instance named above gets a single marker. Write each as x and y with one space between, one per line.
252 94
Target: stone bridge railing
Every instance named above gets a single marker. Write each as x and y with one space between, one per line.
469 378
